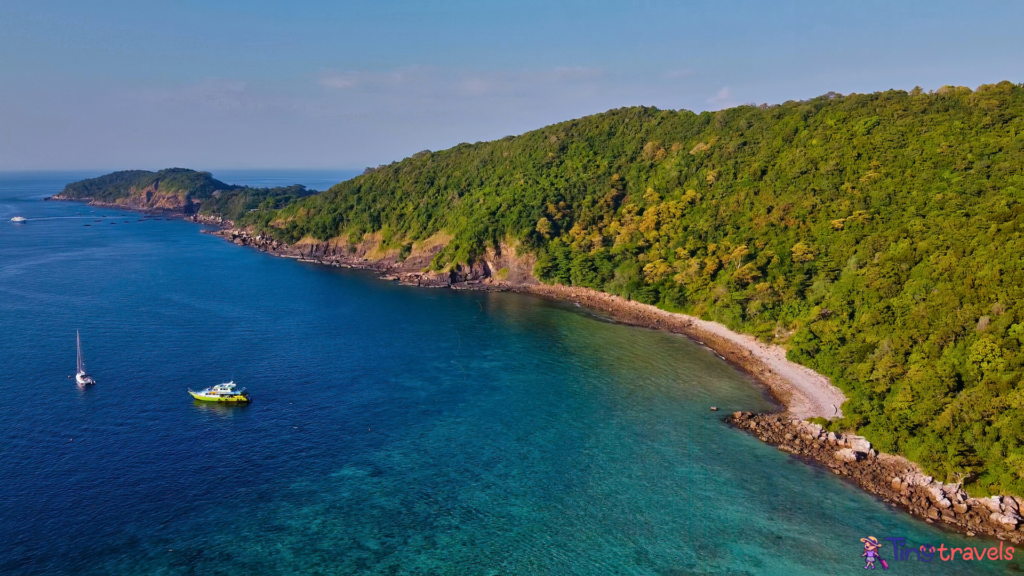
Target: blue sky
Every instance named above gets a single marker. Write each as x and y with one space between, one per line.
113 84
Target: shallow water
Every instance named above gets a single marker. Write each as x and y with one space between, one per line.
395 430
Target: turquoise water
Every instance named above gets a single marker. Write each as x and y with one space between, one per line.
395 430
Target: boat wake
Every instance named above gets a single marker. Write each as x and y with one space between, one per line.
20 219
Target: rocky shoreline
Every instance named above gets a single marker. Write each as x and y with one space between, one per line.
767 365
482 276
409 271
892 478
170 207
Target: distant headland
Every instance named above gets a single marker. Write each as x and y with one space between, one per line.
179 191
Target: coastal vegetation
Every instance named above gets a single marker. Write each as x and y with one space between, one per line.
876 236
184 187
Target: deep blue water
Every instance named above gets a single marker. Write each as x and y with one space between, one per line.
394 430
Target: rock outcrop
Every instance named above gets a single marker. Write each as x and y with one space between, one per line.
210 220
150 199
496 268
892 478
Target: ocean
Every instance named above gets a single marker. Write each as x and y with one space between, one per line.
393 429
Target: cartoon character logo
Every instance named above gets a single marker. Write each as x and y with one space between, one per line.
871 546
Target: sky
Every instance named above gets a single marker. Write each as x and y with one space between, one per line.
118 84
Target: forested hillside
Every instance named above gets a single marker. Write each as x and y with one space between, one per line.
181 189
878 236
117 185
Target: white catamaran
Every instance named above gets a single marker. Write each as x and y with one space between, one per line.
81 377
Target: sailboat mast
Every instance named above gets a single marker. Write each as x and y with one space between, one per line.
78 341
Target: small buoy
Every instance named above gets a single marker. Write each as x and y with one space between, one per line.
71 439
714 408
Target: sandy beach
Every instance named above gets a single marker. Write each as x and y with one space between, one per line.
803 392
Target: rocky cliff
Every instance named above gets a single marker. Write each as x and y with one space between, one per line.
502 265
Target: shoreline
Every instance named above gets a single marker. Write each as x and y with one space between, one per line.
801 392
893 479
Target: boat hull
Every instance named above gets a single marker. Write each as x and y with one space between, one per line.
236 399
84 380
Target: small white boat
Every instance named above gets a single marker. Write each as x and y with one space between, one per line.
82 377
227 392
18 219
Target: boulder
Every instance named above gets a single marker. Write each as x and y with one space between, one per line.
993 504
1002 520
848 455
858 443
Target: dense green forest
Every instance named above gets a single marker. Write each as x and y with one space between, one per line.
877 236
234 203
216 197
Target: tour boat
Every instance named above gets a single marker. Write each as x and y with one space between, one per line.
82 377
227 392
18 219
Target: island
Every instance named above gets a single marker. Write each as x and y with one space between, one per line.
179 191
859 254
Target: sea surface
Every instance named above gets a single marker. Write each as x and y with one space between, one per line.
394 430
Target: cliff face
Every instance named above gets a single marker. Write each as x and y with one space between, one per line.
502 266
152 199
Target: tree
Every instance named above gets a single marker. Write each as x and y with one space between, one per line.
985 357
544 227
802 252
